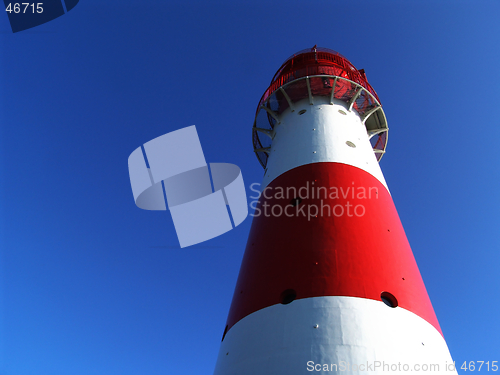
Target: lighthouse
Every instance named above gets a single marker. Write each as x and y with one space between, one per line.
328 281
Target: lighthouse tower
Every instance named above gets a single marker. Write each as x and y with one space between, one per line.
328 281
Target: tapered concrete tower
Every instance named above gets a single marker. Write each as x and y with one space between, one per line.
328 281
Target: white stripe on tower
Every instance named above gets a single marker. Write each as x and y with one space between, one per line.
319 133
343 331
328 277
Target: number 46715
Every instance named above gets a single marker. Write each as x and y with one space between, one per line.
16 7
473 366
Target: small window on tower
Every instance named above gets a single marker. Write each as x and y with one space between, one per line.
288 296
389 299
327 82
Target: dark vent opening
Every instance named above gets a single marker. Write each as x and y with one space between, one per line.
389 299
288 296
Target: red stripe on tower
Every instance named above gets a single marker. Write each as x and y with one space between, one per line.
328 277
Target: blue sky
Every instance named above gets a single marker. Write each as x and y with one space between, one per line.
90 284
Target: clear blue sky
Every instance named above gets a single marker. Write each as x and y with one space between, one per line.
90 284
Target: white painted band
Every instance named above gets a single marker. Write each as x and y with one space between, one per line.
320 134
289 339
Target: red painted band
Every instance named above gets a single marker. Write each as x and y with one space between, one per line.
360 249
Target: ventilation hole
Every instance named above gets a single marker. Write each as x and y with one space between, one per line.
302 112
288 296
295 201
224 335
342 112
350 144
389 299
